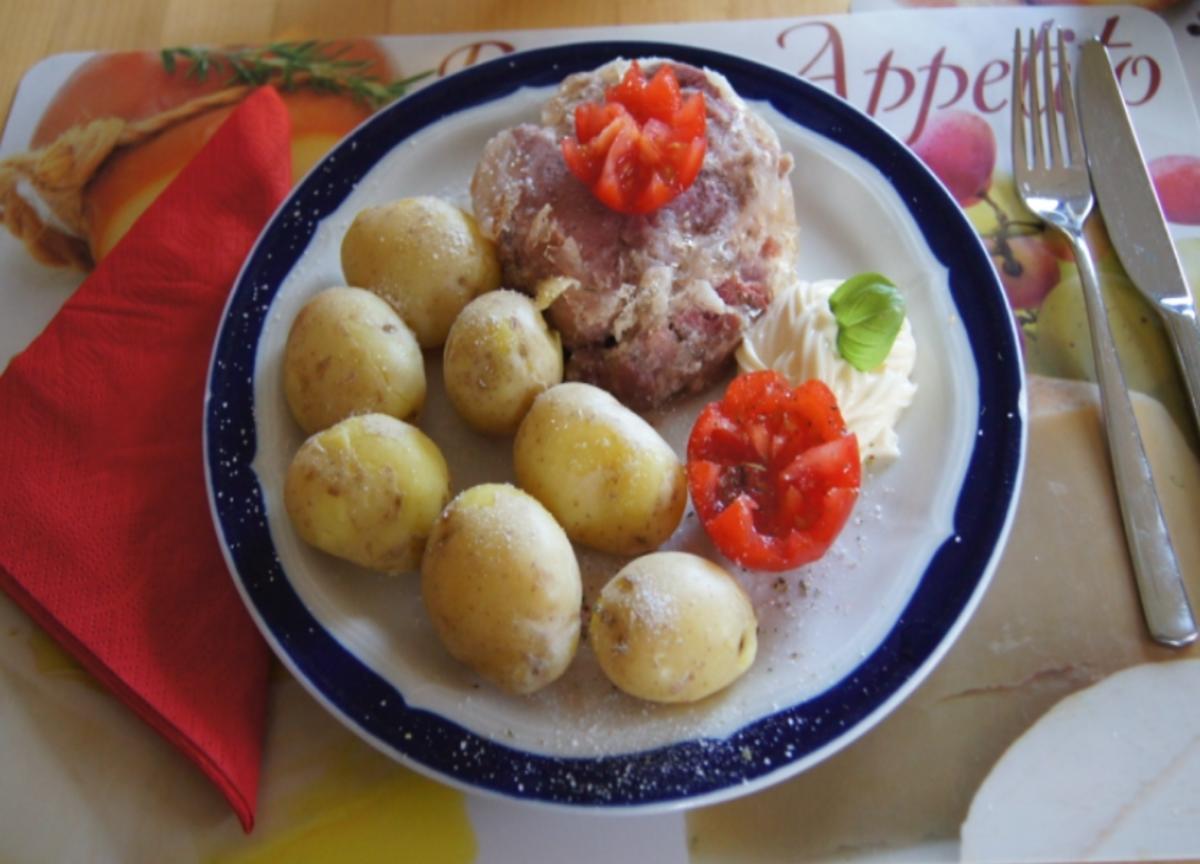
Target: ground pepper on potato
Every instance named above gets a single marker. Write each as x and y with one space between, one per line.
602 470
425 257
499 355
347 353
501 584
673 627
367 489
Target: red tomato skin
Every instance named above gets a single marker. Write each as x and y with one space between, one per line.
642 147
773 472
579 161
690 120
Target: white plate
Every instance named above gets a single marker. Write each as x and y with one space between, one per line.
841 641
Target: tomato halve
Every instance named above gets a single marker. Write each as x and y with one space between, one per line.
773 471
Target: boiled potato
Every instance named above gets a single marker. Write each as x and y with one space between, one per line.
673 627
424 256
499 356
607 476
348 353
368 489
502 586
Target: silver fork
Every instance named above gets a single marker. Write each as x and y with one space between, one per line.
1056 186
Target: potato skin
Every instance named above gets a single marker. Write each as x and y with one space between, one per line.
425 257
502 586
348 352
499 356
673 627
607 476
368 489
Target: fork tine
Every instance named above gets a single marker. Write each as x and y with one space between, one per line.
1071 119
1056 153
1020 150
1035 102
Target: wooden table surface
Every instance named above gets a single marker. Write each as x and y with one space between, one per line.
33 29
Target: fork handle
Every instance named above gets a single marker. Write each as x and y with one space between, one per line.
1159 581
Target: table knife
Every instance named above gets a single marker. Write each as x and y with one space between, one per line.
1132 213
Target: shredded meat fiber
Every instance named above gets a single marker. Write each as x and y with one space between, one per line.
657 303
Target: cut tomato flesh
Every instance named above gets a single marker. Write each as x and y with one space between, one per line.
643 146
773 472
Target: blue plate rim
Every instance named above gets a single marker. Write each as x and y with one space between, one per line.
689 772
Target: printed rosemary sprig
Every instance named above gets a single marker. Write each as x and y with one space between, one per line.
319 65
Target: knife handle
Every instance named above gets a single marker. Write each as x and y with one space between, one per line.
1159 581
1184 330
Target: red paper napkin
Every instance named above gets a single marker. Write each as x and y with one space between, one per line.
105 534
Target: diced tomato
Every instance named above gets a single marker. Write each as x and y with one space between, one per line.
641 147
773 471
591 118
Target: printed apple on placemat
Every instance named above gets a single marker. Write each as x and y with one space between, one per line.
1038 271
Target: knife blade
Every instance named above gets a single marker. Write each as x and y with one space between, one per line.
1131 210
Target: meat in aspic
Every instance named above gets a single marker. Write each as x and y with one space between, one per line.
655 304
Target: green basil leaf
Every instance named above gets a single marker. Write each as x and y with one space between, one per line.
869 311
